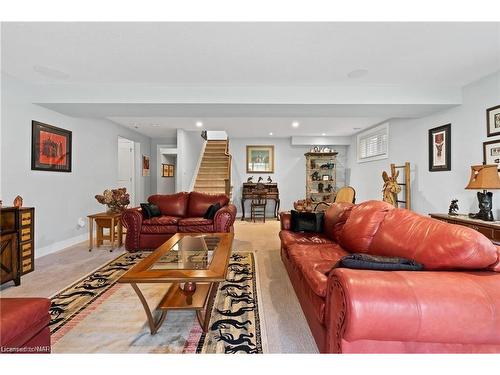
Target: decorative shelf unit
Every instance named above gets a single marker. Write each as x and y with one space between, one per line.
321 176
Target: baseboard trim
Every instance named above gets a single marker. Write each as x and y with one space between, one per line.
61 245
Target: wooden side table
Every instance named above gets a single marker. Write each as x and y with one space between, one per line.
111 221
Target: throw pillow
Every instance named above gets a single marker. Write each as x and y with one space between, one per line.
211 211
378 262
150 210
307 221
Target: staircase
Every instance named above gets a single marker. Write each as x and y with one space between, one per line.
214 174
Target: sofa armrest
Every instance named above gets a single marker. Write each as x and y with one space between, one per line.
224 218
432 307
286 220
132 220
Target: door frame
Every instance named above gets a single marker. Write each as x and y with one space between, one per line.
133 191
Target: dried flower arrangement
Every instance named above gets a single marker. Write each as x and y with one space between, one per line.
116 199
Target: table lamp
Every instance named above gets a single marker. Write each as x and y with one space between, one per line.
484 177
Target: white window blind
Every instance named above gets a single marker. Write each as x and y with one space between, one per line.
373 144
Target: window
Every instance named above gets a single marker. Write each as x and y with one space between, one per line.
373 144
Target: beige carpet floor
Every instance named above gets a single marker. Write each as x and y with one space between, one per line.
285 325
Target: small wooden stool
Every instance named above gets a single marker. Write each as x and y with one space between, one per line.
111 221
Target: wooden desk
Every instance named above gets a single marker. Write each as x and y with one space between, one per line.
490 229
272 194
111 221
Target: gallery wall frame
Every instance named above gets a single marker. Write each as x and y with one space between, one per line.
440 148
51 148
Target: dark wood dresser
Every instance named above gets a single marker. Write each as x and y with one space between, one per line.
272 194
10 256
490 229
27 238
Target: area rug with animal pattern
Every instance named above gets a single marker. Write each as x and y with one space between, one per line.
98 315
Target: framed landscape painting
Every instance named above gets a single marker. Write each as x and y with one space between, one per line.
493 121
50 148
260 159
440 148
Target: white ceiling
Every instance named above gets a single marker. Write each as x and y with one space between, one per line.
290 56
242 54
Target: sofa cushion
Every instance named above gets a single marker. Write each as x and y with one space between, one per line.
362 224
171 204
335 218
289 238
199 203
315 262
208 228
211 211
161 220
435 244
159 229
307 221
21 319
195 221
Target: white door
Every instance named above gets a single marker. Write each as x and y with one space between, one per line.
126 167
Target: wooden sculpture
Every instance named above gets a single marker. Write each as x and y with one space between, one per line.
391 187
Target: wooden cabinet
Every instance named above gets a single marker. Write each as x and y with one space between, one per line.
10 265
321 176
27 238
490 229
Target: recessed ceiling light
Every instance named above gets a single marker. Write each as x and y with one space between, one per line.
199 124
50 72
155 125
271 133
356 128
358 73
323 134
295 124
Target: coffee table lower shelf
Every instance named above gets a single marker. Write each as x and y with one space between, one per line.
201 300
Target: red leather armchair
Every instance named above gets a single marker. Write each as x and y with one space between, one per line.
450 307
181 212
24 325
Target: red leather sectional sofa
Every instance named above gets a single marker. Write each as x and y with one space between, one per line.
24 325
453 306
181 212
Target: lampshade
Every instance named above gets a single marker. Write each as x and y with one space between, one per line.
484 177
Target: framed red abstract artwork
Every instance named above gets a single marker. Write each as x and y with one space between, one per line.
50 148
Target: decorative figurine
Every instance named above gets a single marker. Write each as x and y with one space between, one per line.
269 179
453 210
485 203
260 179
391 187
320 187
329 188
18 201
249 179
315 176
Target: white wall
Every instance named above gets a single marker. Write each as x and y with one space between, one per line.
166 185
289 170
189 146
156 161
60 198
433 191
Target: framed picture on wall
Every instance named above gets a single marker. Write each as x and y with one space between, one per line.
491 152
145 165
50 148
260 159
440 148
493 121
167 170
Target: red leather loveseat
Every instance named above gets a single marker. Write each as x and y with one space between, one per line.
24 325
453 306
181 212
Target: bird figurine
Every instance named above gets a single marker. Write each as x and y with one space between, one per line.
249 179
269 179
260 179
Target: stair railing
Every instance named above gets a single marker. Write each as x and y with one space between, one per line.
227 180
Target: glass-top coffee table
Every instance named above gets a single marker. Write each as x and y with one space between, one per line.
194 263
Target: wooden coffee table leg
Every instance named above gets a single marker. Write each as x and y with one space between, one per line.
154 325
204 318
